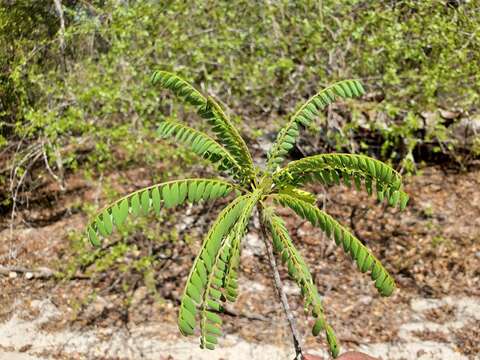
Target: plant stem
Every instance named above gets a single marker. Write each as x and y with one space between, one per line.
280 291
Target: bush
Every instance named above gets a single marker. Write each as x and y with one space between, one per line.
213 278
414 57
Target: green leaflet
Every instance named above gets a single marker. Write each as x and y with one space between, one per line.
120 212
332 341
365 260
180 87
100 226
185 327
199 191
229 135
209 109
219 271
175 194
145 201
135 204
297 269
329 168
317 327
301 194
201 144
92 236
214 318
233 262
156 199
107 222
199 288
169 194
305 116
193 292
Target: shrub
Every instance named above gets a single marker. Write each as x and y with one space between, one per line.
415 56
213 276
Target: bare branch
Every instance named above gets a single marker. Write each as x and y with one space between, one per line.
59 10
280 291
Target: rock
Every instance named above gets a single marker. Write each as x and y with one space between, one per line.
251 286
45 272
290 288
95 308
12 274
449 114
431 119
365 300
186 221
139 295
466 130
47 311
253 244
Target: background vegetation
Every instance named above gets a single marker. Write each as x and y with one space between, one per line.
88 84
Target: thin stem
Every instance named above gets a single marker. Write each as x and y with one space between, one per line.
280 291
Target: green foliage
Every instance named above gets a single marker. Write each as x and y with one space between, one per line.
298 270
169 194
359 252
208 109
306 114
201 144
213 278
329 169
415 56
230 277
206 264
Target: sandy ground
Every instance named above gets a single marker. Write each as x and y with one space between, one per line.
24 338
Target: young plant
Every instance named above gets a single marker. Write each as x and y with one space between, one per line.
213 276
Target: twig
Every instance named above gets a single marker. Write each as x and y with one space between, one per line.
280 290
40 273
43 273
231 312
58 179
14 191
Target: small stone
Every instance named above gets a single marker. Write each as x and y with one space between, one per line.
28 275
448 114
12 274
25 348
365 300
253 244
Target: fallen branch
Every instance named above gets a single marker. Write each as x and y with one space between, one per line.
43 273
39 273
230 312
